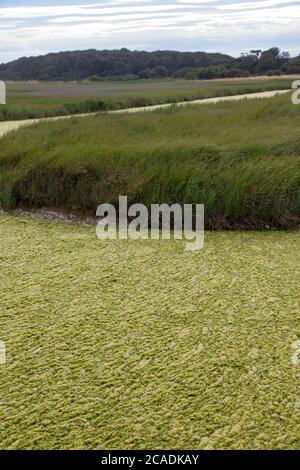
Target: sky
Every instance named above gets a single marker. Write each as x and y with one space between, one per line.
34 27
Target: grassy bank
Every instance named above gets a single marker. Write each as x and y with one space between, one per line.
37 100
141 345
242 160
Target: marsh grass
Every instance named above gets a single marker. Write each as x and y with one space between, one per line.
240 159
28 104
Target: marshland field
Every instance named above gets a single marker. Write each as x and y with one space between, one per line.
141 344
240 159
28 100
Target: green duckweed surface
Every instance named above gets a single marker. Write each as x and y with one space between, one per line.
141 345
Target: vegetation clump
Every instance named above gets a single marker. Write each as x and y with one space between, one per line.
242 160
124 64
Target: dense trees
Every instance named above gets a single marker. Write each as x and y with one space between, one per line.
126 64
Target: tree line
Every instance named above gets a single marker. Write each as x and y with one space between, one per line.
124 64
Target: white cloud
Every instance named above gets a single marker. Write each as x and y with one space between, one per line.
91 9
258 5
217 25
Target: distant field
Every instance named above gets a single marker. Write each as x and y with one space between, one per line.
39 99
240 159
141 345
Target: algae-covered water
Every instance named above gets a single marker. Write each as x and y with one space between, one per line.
141 345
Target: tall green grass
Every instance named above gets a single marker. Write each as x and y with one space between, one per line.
24 105
240 159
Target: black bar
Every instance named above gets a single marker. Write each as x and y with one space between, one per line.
137 459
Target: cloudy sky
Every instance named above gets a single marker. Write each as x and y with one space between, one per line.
32 27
